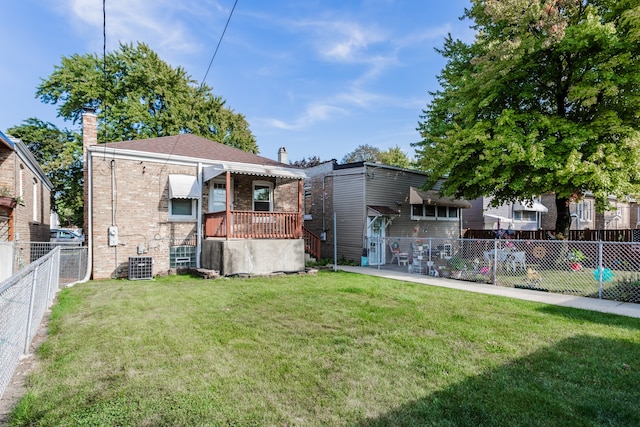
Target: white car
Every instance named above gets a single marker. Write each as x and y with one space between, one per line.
65 236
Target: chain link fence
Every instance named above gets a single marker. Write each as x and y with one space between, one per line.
607 270
41 269
24 299
73 258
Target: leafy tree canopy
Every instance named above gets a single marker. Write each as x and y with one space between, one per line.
137 95
545 99
307 163
59 153
393 156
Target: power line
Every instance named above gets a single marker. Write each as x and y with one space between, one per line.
219 42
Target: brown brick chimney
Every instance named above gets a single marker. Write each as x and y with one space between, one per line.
89 137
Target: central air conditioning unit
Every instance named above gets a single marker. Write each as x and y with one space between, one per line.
140 268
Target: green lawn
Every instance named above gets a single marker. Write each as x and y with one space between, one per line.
332 349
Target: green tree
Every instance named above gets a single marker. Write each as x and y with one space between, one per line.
307 162
545 99
59 153
138 95
362 153
393 156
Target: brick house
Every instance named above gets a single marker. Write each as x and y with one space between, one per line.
185 201
25 194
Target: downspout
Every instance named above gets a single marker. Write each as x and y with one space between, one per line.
89 224
199 225
113 210
323 196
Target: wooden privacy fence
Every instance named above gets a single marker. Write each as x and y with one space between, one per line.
627 235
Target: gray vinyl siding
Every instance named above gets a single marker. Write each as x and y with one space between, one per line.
472 218
352 189
348 202
390 187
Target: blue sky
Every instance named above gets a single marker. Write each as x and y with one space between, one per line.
319 77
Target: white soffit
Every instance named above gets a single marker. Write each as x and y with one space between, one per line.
210 172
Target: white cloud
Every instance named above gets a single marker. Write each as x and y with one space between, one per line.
342 41
314 113
157 23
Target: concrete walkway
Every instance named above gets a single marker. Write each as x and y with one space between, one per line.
605 306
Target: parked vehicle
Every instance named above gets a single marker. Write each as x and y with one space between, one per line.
65 236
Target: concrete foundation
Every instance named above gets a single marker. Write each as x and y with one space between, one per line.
253 257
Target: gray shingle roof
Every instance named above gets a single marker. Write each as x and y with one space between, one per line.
190 145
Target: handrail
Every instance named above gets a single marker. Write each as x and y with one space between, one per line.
311 242
253 225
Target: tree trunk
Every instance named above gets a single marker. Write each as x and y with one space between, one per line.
563 218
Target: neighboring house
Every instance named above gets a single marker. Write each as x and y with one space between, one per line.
370 201
25 202
25 194
515 216
185 201
585 217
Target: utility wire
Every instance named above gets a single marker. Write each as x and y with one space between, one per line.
219 42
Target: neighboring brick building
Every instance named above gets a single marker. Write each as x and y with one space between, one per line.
166 198
25 192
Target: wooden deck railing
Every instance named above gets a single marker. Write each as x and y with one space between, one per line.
253 225
311 243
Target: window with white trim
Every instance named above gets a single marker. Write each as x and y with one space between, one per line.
584 210
263 196
434 212
184 192
307 203
35 200
526 216
182 210
21 182
218 195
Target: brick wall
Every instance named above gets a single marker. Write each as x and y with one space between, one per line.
316 224
32 224
7 162
29 224
140 211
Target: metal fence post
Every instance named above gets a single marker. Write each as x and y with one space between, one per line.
34 282
50 280
495 262
600 269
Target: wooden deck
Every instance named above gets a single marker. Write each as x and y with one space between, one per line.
253 225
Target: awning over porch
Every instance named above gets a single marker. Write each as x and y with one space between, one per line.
432 197
184 187
530 206
210 172
499 218
377 210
